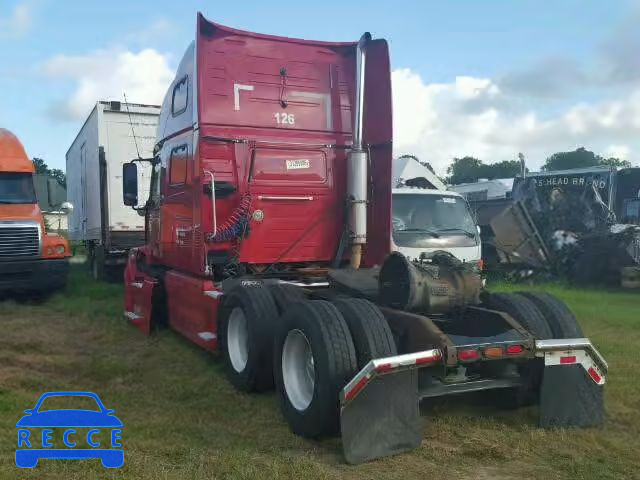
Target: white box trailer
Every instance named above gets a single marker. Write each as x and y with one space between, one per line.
113 134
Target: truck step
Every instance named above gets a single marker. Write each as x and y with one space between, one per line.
213 293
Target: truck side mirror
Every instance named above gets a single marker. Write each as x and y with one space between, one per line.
130 184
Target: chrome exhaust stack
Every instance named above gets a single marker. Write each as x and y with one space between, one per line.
357 163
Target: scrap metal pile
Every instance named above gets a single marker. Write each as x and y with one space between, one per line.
564 229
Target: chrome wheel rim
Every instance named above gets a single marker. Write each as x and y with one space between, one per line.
237 340
298 370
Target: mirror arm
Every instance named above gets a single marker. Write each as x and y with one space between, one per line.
152 160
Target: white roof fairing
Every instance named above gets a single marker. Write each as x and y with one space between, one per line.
407 168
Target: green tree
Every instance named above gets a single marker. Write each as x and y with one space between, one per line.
59 175
470 169
579 158
42 168
503 169
464 170
40 165
615 162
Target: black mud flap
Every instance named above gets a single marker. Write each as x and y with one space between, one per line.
383 419
570 398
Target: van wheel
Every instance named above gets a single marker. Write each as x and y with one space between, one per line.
314 360
371 334
246 331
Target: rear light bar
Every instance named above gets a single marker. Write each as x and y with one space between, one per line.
468 355
385 366
489 352
574 351
515 349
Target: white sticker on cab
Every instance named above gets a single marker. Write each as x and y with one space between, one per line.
298 164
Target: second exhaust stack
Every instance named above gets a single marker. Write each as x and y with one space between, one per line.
357 163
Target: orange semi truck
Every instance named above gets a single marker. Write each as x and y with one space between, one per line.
31 260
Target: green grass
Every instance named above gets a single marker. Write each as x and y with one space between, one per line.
183 420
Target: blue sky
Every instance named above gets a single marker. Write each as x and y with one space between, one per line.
488 78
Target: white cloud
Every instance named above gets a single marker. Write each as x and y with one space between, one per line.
435 123
18 22
622 152
107 74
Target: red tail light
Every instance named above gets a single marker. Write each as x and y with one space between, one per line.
568 360
515 349
468 355
594 375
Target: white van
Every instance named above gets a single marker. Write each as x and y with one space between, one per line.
426 220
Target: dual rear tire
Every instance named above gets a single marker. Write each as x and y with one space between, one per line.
319 347
544 317
246 337
309 349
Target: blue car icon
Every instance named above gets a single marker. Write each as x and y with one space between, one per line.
38 418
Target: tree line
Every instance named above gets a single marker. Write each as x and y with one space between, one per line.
465 169
469 169
42 168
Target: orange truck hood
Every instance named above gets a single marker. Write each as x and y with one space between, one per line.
29 212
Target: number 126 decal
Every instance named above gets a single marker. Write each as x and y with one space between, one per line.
283 118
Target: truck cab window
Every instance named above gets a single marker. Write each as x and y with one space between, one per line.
154 187
16 188
178 166
180 96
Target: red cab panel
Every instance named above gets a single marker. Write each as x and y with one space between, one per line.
193 308
138 295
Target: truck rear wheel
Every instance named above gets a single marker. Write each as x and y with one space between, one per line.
525 312
314 359
284 295
369 329
246 332
560 319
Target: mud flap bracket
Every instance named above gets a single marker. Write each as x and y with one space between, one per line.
380 413
571 394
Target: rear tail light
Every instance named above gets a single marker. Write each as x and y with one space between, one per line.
593 374
493 352
568 360
468 355
515 349
480 264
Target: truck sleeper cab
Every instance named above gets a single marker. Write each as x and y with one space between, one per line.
31 260
269 234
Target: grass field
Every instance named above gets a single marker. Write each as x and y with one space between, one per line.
183 420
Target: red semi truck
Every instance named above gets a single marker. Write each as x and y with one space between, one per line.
268 238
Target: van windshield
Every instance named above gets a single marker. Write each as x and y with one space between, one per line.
16 188
432 216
